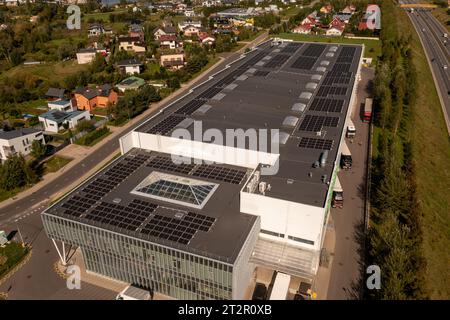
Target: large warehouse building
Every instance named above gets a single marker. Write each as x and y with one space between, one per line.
198 229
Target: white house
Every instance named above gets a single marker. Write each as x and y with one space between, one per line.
61 105
87 55
131 44
53 120
187 23
130 66
18 141
335 31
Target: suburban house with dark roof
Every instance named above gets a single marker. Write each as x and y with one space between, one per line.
18 141
55 94
169 42
129 66
136 30
131 44
88 99
53 120
96 29
164 31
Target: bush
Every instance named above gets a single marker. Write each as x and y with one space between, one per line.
90 138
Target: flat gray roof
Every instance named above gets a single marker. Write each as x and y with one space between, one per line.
265 98
261 99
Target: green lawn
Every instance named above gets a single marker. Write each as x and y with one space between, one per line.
104 16
52 71
55 163
372 47
431 148
12 254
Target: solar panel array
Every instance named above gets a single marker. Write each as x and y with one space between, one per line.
277 61
309 57
166 125
331 91
167 164
125 217
252 61
315 123
346 55
180 230
327 105
219 173
316 143
291 47
190 107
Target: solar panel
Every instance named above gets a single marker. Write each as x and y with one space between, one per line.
315 123
76 206
314 50
167 164
304 63
331 79
291 48
219 173
277 61
176 229
261 73
209 93
166 125
128 217
316 143
327 105
190 107
332 91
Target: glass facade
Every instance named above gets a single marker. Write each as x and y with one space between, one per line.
174 273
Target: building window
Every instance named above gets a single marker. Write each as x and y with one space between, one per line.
271 233
301 240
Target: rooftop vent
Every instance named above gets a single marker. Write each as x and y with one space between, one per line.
117 200
311 85
251 70
330 54
306 95
298 107
203 109
290 121
321 69
283 137
316 77
333 49
324 63
218 96
290 181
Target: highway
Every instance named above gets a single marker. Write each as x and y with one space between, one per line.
437 49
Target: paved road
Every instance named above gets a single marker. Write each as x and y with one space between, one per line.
345 269
37 278
431 33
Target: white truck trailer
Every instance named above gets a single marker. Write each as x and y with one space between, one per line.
280 287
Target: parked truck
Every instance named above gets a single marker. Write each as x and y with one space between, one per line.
367 116
351 130
280 287
346 157
338 195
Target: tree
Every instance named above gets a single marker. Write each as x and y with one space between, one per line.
85 125
173 83
38 149
15 173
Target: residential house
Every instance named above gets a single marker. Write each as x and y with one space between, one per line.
97 29
164 31
211 3
88 99
189 12
173 61
131 83
54 120
206 39
309 20
344 17
191 30
136 30
303 28
53 94
18 141
131 44
371 19
87 55
169 42
187 23
62 105
336 22
335 31
130 66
